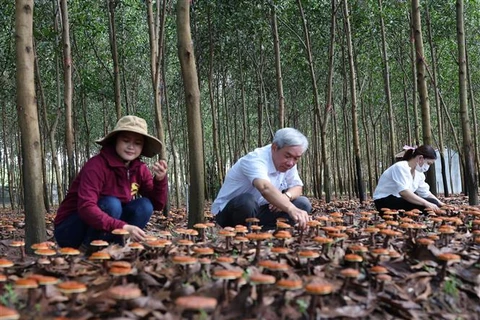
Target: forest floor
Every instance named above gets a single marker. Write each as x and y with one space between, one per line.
350 263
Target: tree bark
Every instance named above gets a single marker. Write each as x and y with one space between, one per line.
35 229
111 6
353 97
437 105
416 127
313 79
278 69
216 144
386 79
194 120
68 90
470 172
423 89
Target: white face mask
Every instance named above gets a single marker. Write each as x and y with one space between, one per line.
423 168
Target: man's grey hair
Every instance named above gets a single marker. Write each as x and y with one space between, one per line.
290 137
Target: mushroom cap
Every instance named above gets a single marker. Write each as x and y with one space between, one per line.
378 270
119 271
5 263
26 283
289 284
8 314
227 274
283 225
323 240
279 250
120 232
319 288
185 242
3 277
351 257
124 292
45 252
71 287
259 236
203 251
283 234
449 257
99 255
196 303
200 226
350 273
160 243
225 259
99 243
121 264
47 280
425 241
261 278
184 260
308 254
17 244
358 248
69 251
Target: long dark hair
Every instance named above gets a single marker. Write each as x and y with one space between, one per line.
425 150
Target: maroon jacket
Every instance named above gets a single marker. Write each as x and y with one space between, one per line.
105 174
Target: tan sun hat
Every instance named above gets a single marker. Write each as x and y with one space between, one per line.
152 145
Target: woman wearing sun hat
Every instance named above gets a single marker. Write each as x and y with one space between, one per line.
103 196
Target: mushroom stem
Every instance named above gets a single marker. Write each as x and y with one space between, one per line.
312 306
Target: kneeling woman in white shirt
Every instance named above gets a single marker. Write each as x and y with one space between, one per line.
403 186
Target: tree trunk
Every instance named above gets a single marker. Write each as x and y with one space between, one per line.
111 6
416 127
353 97
423 89
278 69
216 144
313 80
470 172
68 90
473 107
156 31
388 95
437 105
194 120
328 107
35 230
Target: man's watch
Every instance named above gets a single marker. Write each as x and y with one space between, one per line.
289 195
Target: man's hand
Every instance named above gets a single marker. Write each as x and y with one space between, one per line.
433 206
136 233
160 170
300 216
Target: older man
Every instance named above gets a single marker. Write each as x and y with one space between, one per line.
265 184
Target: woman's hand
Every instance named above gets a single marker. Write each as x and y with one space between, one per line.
136 233
160 170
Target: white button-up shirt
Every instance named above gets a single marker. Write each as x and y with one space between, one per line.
258 164
397 178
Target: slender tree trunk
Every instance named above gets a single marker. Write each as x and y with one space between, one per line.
316 100
386 79
173 147
68 90
278 69
437 105
328 106
111 6
245 136
194 120
470 172
353 97
474 114
416 127
156 31
35 229
423 89
216 144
